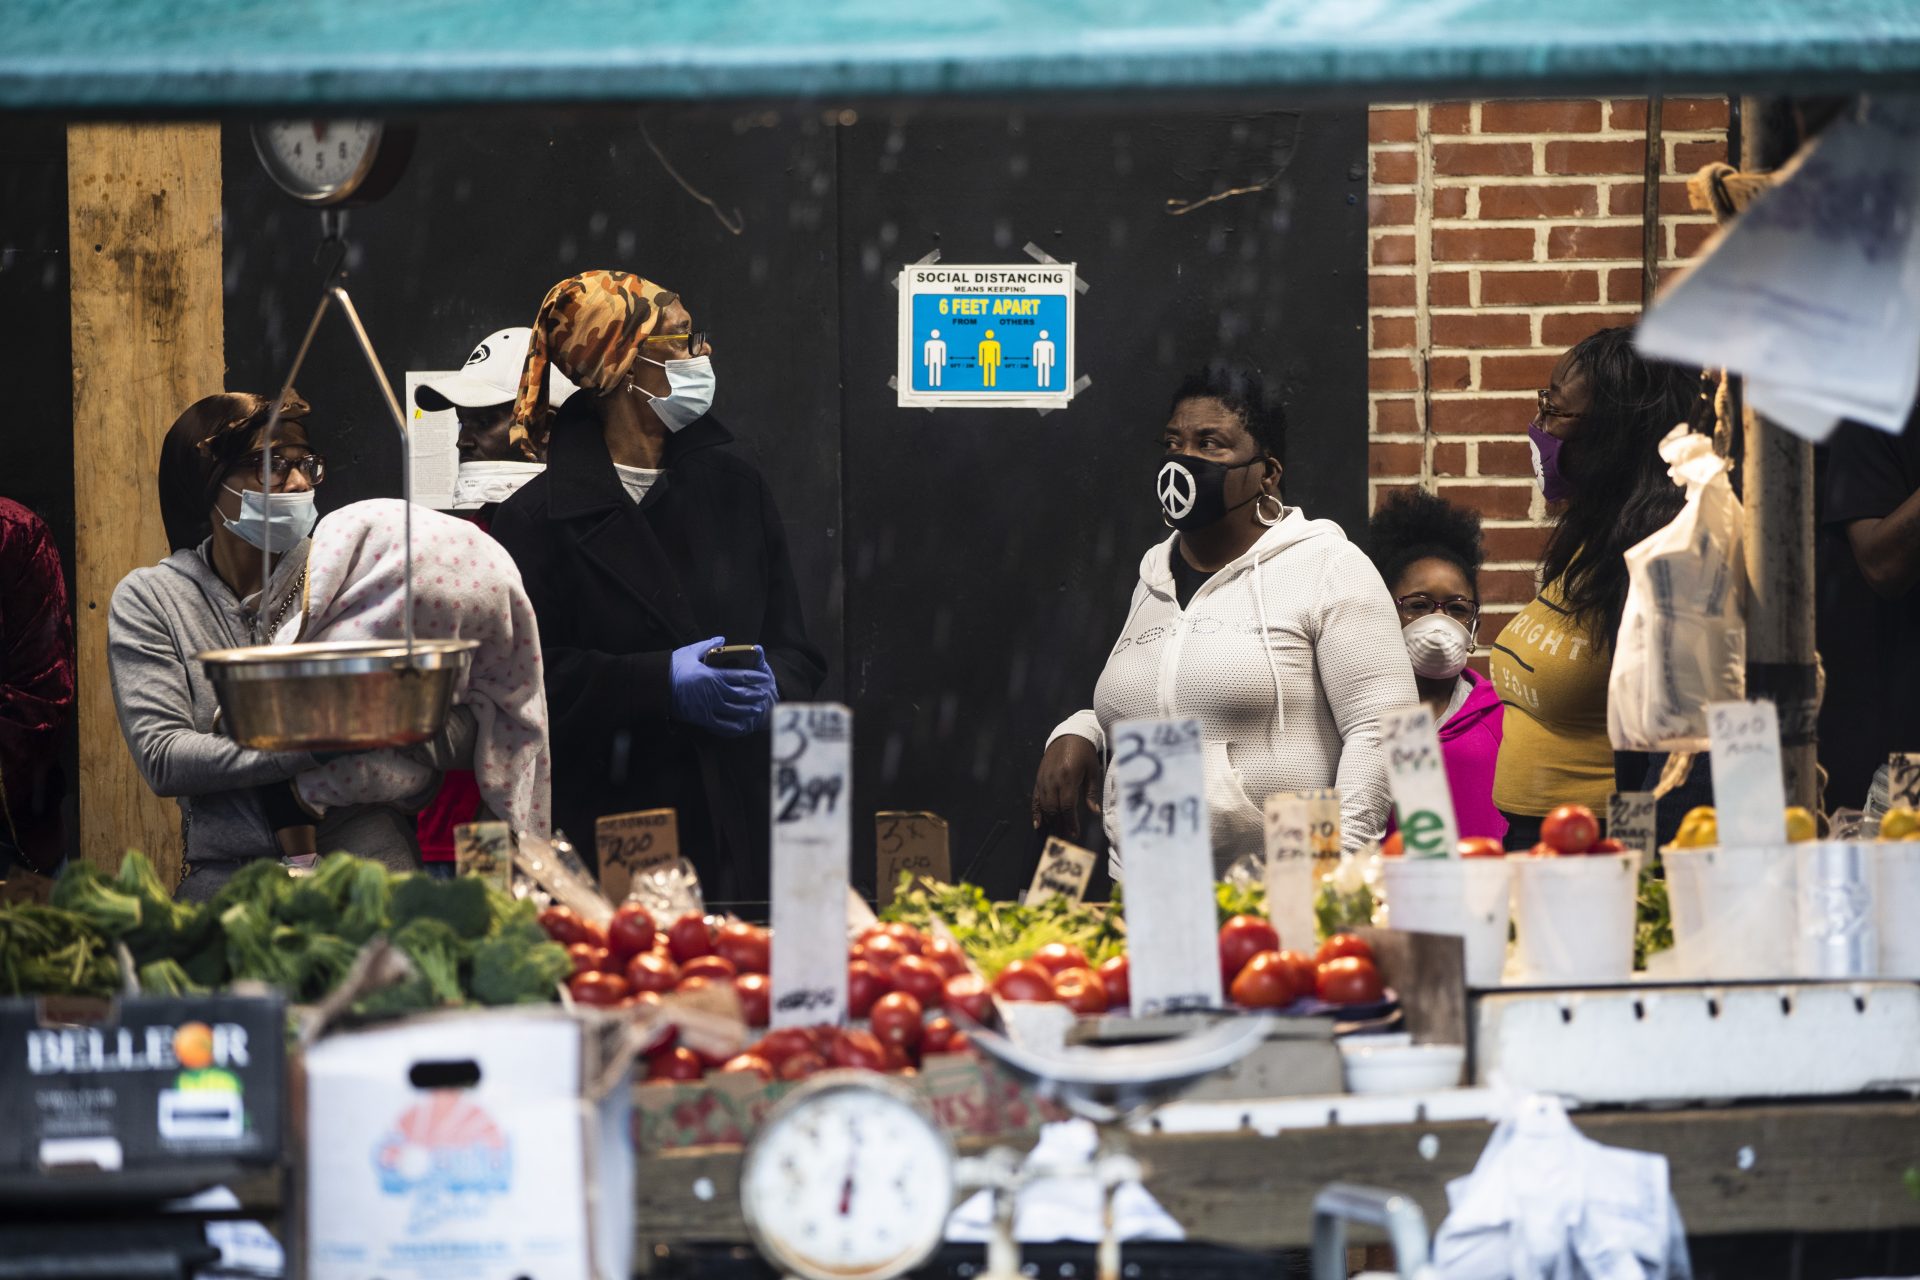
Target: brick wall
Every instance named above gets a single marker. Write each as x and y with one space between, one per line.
1501 233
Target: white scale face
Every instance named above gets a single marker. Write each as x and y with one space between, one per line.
318 160
848 1181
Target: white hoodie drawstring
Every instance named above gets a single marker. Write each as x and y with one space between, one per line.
1259 589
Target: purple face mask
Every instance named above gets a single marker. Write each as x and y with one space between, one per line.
1546 462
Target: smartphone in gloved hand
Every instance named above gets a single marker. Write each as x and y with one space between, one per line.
733 657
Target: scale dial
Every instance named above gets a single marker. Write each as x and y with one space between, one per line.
848 1179
331 162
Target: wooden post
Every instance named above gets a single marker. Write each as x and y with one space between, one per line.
143 224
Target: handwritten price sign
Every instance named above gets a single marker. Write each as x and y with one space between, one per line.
1903 780
915 842
631 844
812 766
1421 799
1160 772
1631 819
1064 870
1290 863
1749 792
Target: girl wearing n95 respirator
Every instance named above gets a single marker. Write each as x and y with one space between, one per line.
1429 552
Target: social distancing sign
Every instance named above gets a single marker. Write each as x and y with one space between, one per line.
986 336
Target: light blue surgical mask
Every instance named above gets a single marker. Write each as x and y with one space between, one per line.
690 385
272 522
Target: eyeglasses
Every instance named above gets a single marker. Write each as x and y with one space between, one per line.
311 465
1547 409
1459 608
694 342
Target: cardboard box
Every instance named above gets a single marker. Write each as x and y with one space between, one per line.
484 1146
140 1097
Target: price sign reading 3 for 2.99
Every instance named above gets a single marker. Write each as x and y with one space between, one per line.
1166 850
812 748
1421 801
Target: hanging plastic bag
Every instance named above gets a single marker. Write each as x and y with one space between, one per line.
1683 636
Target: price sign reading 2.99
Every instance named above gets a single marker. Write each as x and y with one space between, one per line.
1422 802
812 748
1166 854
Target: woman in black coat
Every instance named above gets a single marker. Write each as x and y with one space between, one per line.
645 544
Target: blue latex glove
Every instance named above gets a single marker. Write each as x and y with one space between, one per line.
729 703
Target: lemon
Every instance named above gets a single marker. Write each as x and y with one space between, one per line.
1899 824
1800 825
1699 829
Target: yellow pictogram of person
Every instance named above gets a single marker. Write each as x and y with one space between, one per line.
989 360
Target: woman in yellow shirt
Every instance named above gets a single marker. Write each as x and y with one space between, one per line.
1595 450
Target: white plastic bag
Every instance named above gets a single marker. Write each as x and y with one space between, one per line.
1683 636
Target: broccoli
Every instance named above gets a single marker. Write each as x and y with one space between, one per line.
168 930
310 908
167 978
462 904
319 961
508 970
365 911
435 950
516 919
414 995
256 949
82 890
262 883
333 876
47 951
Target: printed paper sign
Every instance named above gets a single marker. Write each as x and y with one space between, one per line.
1422 802
989 337
1749 794
909 841
1064 869
1323 827
485 850
1160 774
1631 820
812 772
433 445
1903 780
1290 860
631 844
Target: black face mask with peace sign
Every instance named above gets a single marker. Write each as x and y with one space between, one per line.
1193 491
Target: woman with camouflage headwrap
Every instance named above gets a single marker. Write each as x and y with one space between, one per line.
645 544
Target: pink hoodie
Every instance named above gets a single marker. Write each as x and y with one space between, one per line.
1470 745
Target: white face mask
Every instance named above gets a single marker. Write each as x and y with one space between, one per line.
480 483
689 395
1438 646
272 522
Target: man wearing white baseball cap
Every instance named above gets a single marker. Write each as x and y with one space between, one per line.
481 396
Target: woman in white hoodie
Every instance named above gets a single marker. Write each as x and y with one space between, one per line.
1271 629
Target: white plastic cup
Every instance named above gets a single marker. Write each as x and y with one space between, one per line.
1466 897
1896 894
1575 917
1837 934
1734 911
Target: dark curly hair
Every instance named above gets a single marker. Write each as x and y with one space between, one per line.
209 439
1413 524
1246 395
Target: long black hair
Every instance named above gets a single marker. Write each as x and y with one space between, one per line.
1413 524
1619 491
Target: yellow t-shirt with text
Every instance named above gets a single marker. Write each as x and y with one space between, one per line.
1553 680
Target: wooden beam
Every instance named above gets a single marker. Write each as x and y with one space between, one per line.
143 225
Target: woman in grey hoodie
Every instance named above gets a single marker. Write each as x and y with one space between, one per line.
235 805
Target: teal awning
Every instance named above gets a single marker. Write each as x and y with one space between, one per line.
195 56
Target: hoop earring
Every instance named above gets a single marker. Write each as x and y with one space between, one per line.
1279 510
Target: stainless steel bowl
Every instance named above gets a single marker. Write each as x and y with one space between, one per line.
347 696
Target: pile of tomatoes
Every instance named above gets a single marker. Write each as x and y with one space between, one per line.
1568 829
635 962
1256 974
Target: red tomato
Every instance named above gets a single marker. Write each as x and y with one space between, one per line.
747 947
898 1059
677 1063
922 979
1392 846
1543 850
586 957
602 989
1241 939
777 1046
631 931
1265 982
897 1019
1024 980
911 938
1058 957
688 937
946 953
1081 991
1570 828
1609 845
747 1064
648 972
1117 974
1482 847
1301 970
697 981
1349 980
938 1035
883 951
708 967
642 999
1343 944
801 1065
967 993
565 927
756 997
859 1049
865 984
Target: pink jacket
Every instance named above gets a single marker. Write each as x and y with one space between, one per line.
1470 745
